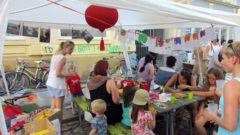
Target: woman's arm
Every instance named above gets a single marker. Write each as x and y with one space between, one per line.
231 101
152 71
152 123
204 93
93 131
170 82
112 88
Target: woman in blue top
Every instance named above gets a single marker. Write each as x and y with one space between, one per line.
229 121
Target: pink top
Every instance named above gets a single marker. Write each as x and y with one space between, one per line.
141 126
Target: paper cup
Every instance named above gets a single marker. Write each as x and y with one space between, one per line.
220 84
190 95
172 99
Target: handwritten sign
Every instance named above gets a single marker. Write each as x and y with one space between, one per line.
83 49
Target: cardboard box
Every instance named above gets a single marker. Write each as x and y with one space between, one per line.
39 126
50 114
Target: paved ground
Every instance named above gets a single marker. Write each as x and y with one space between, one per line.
71 122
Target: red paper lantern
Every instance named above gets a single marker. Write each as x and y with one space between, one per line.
101 17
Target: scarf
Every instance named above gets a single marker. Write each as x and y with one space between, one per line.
96 81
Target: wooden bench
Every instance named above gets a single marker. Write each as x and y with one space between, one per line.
118 129
82 105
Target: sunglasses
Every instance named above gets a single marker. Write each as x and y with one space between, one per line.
186 72
231 46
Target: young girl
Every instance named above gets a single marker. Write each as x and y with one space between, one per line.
181 82
73 82
128 94
229 123
209 90
143 121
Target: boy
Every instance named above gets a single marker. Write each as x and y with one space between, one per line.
99 122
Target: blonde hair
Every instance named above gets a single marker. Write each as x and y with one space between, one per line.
231 50
66 44
99 106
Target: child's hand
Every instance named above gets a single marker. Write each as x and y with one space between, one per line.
66 93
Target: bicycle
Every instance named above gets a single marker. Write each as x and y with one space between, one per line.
22 77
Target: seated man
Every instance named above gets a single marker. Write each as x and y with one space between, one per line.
165 73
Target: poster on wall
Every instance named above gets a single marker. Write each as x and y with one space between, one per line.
30 31
44 35
13 28
87 36
66 32
76 34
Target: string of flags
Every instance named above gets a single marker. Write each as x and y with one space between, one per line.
165 46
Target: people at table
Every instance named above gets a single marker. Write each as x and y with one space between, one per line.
143 121
229 122
183 81
127 96
208 90
165 73
146 70
103 87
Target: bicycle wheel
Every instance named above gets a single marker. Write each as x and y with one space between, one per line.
17 81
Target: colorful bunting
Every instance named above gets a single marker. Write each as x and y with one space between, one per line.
195 36
202 33
159 42
187 38
177 40
142 38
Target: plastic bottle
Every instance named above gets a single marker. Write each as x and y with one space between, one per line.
152 86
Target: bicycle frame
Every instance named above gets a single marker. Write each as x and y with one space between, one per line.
32 76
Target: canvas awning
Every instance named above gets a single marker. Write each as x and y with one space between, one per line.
134 14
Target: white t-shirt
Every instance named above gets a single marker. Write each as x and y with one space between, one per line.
53 80
213 55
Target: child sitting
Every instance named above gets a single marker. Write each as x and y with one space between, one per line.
128 94
99 122
73 82
143 121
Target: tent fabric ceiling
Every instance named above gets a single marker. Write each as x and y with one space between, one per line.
134 14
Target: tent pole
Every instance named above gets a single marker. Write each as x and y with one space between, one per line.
3 21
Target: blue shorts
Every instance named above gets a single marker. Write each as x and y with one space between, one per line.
54 92
72 96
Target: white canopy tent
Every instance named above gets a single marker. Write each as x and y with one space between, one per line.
134 14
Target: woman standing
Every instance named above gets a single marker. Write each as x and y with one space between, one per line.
56 80
229 123
102 87
146 70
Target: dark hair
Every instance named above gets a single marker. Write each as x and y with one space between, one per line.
187 75
128 94
171 61
230 41
136 109
223 41
154 57
148 59
101 68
